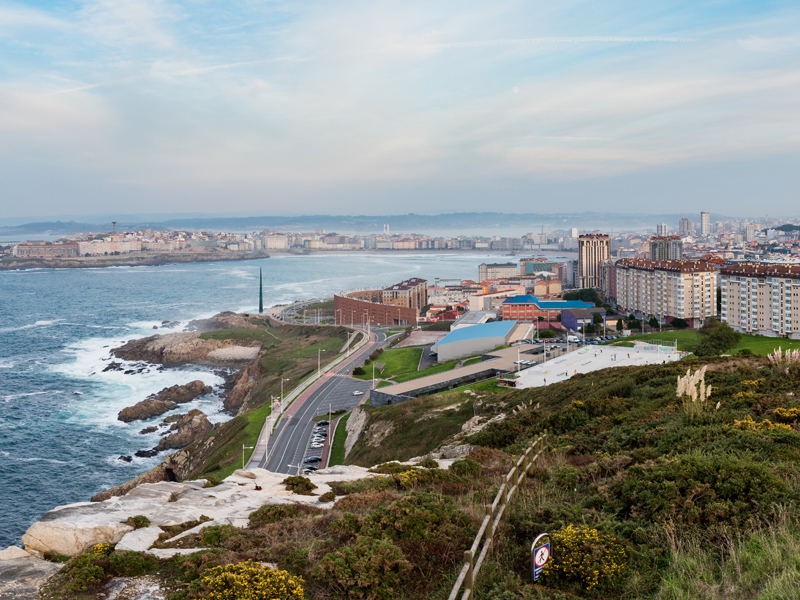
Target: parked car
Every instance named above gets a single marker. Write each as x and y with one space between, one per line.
312 459
316 446
323 423
358 393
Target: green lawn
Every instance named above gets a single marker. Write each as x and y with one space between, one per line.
398 362
689 338
472 361
440 368
337 448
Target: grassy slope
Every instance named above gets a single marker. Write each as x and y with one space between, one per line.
689 338
337 448
440 368
414 432
397 362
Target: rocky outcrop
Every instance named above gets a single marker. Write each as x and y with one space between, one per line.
175 349
184 393
75 528
355 425
145 410
22 577
139 540
244 381
160 473
188 428
164 401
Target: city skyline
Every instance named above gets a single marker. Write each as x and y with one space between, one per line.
165 105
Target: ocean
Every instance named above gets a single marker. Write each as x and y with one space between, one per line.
59 435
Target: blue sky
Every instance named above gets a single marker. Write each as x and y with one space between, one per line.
394 107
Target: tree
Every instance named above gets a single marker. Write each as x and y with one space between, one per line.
597 319
634 324
546 334
679 324
620 325
653 322
717 338
586 295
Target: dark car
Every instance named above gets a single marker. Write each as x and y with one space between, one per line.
312 459
323 423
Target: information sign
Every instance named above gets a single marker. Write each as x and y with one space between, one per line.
540 554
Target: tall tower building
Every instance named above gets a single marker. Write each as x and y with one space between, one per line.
593 251
573 232
686 227
667 247
661 229
705 223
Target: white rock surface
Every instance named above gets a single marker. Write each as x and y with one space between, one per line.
21 578
75 528
140 540
170 552
13 552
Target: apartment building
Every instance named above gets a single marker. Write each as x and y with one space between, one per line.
496 271
762 299
666 247
593 251
411 293
667 289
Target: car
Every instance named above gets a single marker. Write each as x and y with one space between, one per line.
323 423
358 393
312 459
316 446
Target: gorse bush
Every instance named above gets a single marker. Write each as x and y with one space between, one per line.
250 581
272 513
138 521
299 485
583 554
131 564
82 573
466 467
370 569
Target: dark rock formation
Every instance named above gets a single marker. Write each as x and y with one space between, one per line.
145 410
146 453
188 428
126 459
151 429
184 393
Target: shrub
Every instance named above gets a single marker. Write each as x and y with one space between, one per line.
272 513
249 580
82 572
584 554
428 463
327 497
131 564
787 415
138 521
700 489
745 352
466 467
679 323
299 485
748 424
102 549
390 468
359 371
216 535
623 388
369 569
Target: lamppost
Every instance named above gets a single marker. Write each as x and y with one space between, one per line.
319 361
282 380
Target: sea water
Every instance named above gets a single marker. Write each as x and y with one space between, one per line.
60 440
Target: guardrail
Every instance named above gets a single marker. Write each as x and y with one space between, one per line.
514 479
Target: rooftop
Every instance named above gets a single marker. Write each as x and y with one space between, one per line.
685 265
407 284
771 270
483 330
554 304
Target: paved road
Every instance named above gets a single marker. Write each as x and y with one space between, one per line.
294 431
426 360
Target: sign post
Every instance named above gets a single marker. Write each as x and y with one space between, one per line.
540 554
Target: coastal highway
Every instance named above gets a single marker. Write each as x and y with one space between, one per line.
294 429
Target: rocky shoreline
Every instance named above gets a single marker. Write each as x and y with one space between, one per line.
156 260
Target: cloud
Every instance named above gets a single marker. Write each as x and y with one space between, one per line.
776 44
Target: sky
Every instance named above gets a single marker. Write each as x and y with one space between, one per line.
364 107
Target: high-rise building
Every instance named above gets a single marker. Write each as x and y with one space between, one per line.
661 229
593 251
496 271
573 232
749 233
705 223
686 227
667 247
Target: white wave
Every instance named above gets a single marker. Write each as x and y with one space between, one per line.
6 364
10 397
31 326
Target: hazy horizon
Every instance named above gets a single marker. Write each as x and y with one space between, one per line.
360 108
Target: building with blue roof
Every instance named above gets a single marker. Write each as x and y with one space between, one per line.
477 339
527 309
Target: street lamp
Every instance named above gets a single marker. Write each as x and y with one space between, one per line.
282 380
319 361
